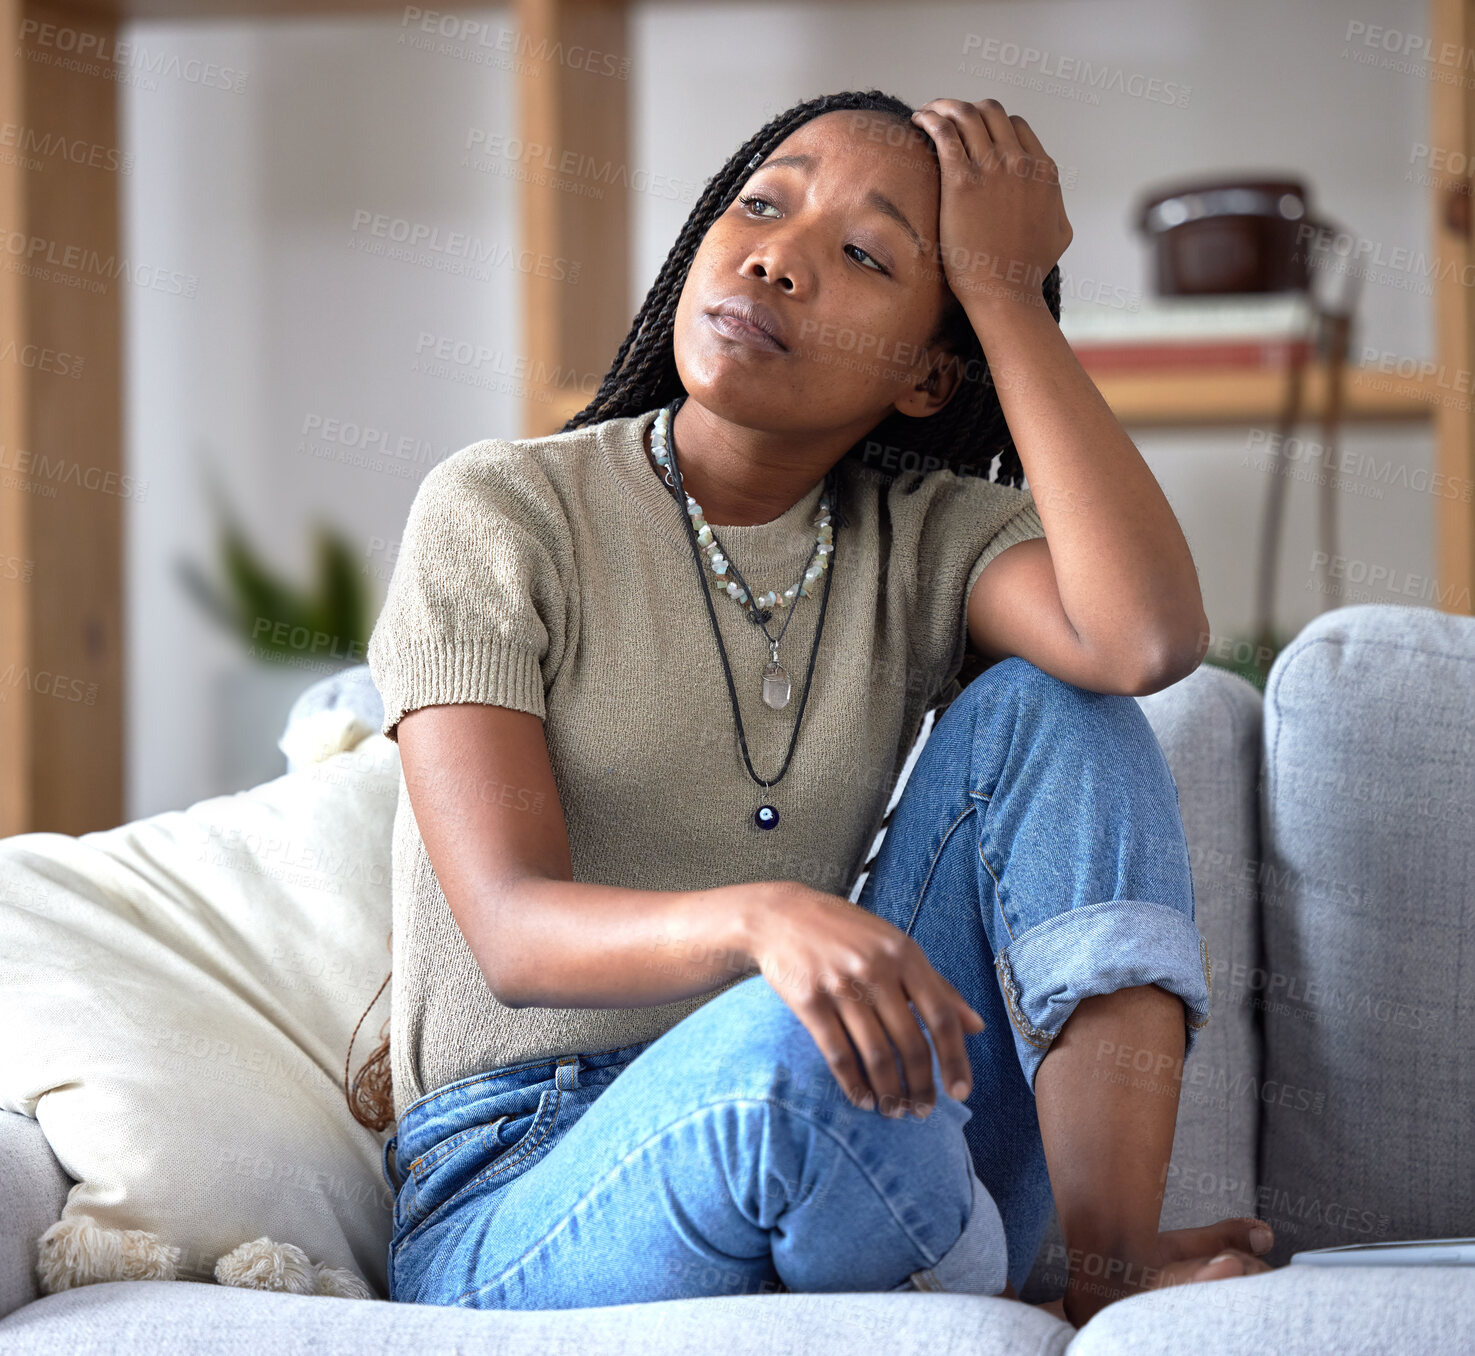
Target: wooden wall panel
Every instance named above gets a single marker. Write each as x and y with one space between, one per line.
573 99
1452 128
61 475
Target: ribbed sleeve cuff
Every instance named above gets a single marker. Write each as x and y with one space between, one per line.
1023 526
490 671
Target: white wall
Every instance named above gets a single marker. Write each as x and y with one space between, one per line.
255 193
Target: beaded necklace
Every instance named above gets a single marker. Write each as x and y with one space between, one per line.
759 610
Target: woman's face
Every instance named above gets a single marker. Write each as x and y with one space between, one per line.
841 250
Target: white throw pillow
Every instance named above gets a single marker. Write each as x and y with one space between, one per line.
177 996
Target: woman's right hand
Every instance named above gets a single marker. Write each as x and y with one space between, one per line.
849 977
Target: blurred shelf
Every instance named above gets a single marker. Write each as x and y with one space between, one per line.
1255 395
127 10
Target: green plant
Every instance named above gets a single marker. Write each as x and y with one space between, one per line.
326 621
1249 657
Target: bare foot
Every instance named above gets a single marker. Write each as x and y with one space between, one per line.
1055 1306
1177 1257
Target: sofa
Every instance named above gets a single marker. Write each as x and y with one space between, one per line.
1331 830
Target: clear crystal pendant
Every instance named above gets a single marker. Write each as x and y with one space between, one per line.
775 680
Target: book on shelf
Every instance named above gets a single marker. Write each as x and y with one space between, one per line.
1192 356
1257 330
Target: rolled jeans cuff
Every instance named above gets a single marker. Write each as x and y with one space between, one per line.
1098 949
978 1263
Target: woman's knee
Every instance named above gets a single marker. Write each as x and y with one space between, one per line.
1110 726
762 1048
756 1046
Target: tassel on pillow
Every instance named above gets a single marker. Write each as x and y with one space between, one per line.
316 738
264 1265
80 1251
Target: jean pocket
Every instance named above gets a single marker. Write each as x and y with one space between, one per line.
478 1154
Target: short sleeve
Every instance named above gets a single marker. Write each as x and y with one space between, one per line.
953 526
476 604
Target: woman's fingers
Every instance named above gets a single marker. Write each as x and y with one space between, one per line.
948 1018
1027 138
822 1021
911 1043
877 1056
1001 130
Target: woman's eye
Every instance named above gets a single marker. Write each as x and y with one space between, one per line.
749 201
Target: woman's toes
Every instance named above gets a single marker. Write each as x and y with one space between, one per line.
1230 1262
1225 1265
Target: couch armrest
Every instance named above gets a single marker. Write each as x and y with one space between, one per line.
33 1190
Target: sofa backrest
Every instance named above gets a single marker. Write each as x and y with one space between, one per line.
1367 985
1209 727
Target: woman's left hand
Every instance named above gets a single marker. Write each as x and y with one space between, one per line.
1002 223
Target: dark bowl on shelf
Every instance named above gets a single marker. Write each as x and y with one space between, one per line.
1228 236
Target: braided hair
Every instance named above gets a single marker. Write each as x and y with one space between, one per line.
965 436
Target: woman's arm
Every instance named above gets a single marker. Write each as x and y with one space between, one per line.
1112 602
482 790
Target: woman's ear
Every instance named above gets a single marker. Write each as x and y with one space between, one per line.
934 388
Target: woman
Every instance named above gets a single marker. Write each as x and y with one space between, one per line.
644 1045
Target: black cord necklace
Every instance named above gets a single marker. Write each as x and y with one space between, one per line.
766 816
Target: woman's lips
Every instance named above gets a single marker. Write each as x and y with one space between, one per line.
732 328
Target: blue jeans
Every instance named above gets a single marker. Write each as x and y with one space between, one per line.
1037 856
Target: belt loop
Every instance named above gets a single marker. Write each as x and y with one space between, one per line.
568 1073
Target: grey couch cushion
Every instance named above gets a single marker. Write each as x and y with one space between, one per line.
1209 728
1295 1311
33 1189
1368 984
143 1318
